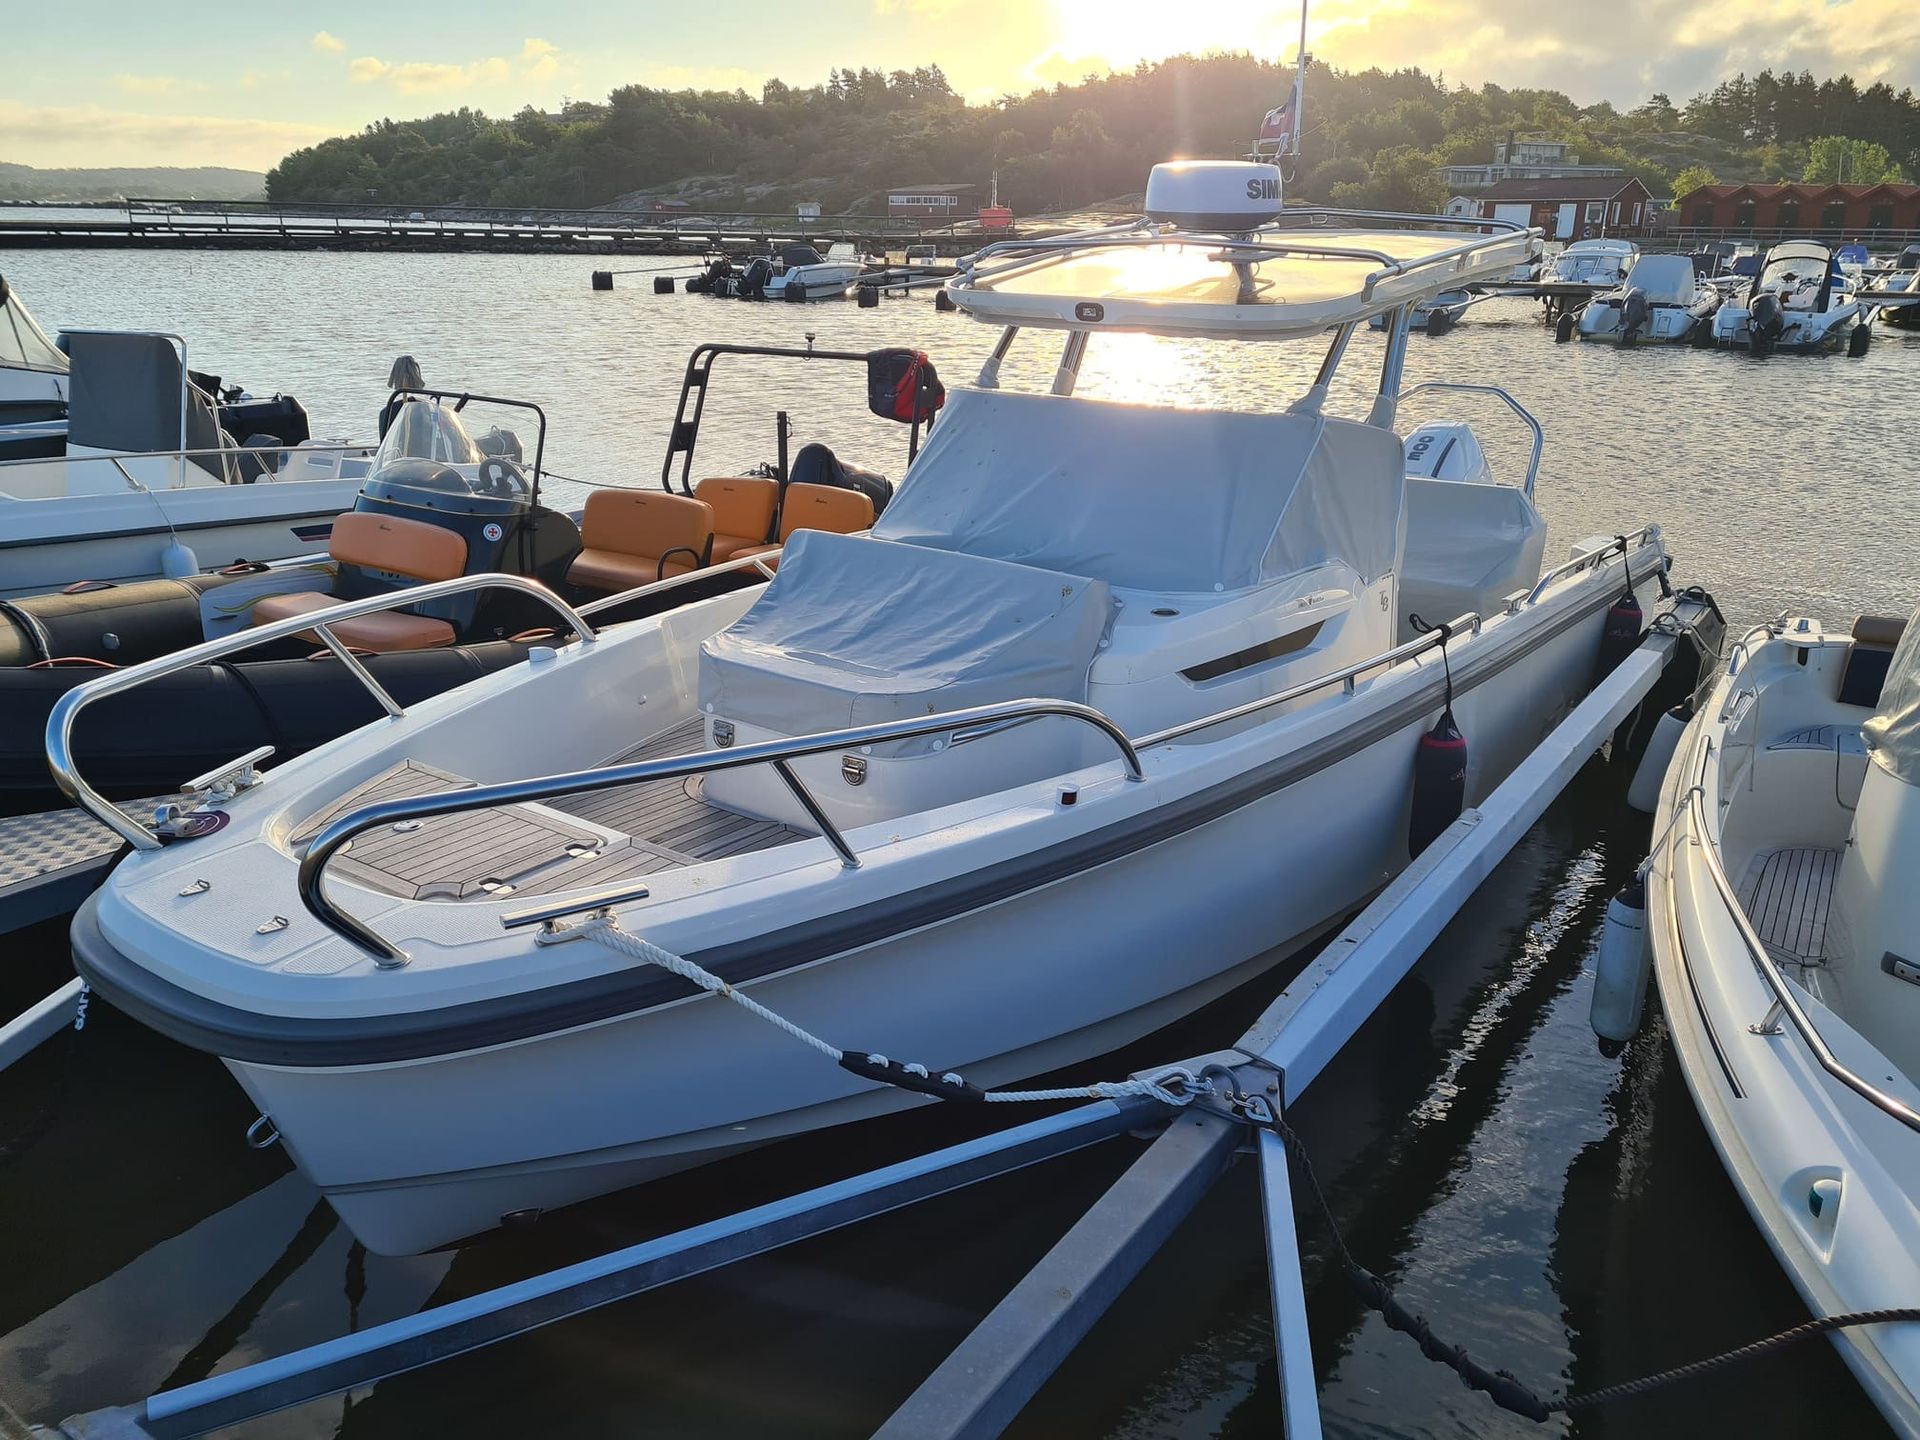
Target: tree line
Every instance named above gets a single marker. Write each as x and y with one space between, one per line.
1373 138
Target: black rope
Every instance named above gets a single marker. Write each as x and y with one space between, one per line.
1446 661
1502 1386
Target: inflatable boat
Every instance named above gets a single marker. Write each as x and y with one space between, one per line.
435 507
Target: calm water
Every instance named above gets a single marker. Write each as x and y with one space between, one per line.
1560 1214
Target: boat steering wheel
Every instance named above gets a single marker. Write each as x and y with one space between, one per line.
501 479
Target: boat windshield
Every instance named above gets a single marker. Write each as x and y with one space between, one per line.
426 430
1664 279
23 344
1600 262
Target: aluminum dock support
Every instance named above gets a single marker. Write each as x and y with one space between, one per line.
984 1383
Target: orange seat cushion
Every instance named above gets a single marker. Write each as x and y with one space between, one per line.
743 507
397 546
635 537
612 570
382 632
824 507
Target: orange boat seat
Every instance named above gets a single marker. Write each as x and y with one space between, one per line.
743 508
630 538
388 545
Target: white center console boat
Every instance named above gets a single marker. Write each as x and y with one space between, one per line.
1114 707
1785 919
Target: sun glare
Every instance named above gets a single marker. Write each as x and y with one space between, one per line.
1122 32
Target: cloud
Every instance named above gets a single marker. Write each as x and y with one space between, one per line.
327 44
540 59
53 135
147 84
427 77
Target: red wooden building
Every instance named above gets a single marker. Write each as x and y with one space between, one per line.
1575 207
1806 209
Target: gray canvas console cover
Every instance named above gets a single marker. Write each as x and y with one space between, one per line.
856 631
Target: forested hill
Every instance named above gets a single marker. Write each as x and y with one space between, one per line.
204 182
1373 138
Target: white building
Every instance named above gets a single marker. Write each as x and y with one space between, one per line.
1536 158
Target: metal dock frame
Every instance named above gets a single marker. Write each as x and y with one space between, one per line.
991 1375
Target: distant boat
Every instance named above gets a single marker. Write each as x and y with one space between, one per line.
1661 302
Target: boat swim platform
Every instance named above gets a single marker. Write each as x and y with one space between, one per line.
985 1383
52 860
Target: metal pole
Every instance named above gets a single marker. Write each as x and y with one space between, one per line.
364 1358
990 1375
1292 1345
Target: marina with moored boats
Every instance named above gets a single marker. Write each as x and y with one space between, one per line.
582 883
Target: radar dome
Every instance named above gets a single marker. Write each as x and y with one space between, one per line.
1230 195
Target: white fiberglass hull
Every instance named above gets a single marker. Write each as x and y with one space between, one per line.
1016 942
1805 332
816 281
46 544
1780 1123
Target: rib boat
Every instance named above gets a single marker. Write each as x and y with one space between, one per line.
1786 940
1114 707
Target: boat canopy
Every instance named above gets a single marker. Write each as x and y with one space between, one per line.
1664 279
1282 282
1893 734
23 344
1151 498
132 393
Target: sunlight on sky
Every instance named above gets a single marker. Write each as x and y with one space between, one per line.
109 82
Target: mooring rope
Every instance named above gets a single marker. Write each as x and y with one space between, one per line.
1174 1087
1502 1386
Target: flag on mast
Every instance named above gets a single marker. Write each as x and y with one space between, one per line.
1277 130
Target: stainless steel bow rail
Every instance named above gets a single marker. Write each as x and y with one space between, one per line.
961 726
778 753
986 1380
66 773
1784 1001
1526 418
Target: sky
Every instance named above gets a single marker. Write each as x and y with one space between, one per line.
128 82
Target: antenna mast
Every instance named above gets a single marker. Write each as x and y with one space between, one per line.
1279 139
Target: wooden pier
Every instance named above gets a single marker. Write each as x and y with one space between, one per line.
157 225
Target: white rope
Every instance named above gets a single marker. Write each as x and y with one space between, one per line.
606 929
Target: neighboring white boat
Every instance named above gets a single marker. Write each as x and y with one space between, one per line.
1601 264
1065 750
149 484
33 370
1785 921
1800 300
1660 302
804 274
1440 314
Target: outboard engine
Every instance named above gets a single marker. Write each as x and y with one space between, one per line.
708 281
1765 323
1447 450
1633 315
753 280
281 417
817 465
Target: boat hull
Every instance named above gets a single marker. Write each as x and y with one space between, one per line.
1777 1121
1028 970
124 537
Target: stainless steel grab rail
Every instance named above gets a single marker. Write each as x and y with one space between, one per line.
66 710
1620 545
778 753
1467 624
1526 415
1783 996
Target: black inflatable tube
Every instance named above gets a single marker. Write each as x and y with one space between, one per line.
149 740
